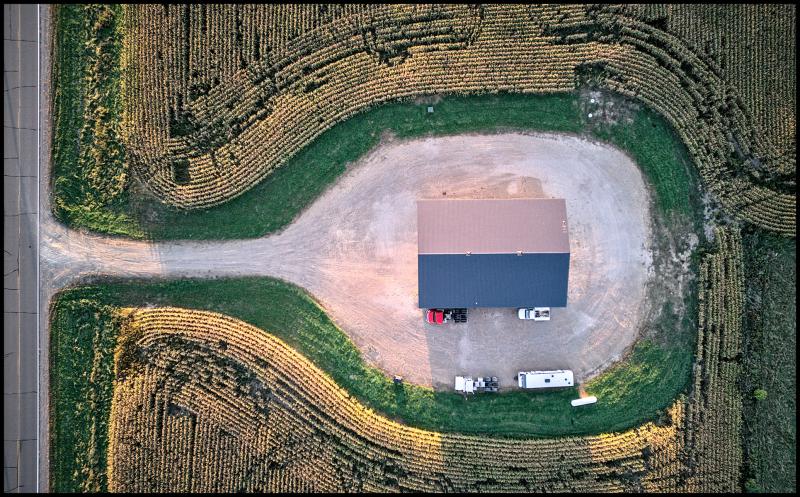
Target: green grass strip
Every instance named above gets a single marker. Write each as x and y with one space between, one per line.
629 394
277 200
83 336
89 175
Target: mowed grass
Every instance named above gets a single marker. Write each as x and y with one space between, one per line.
276 201
664 160
629 394
770 362
89 173
83 336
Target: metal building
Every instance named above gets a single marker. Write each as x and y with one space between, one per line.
492 253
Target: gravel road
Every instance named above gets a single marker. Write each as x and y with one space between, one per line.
355 250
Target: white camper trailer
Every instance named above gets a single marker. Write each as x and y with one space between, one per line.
546 379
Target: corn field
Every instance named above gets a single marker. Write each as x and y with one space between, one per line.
714 414
205 402
217 97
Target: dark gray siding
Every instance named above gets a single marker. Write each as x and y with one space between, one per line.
493 280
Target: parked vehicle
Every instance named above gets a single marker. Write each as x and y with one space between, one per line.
466 384
545 379
441 316
535 313
436 316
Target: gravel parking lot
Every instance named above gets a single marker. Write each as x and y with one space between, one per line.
367 277
355 250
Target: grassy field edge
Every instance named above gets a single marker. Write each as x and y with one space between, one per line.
769 363
89 173
84 331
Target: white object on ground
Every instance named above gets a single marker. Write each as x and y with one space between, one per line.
470 386
546 379
584 401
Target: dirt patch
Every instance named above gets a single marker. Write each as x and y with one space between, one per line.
671 276
427 100
605 108
509 186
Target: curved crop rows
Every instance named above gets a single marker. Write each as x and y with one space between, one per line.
216 97
715 414
217 393
204 402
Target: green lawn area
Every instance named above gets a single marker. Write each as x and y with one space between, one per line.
769 362
89 176
657 150
276 201
629 393
83 337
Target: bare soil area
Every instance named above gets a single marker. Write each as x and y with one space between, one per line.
355 250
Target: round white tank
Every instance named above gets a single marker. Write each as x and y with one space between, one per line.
584 401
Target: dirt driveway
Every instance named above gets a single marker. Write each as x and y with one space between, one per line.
366 274
355 250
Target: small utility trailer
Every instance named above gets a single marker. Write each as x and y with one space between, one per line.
466 384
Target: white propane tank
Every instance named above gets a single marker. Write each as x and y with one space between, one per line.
584 401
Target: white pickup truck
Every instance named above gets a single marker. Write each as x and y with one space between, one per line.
537 313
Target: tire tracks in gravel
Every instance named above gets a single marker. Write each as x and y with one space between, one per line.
354 250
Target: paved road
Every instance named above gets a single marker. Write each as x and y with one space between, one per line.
20 213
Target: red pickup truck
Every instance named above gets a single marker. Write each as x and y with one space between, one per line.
441 316
435 316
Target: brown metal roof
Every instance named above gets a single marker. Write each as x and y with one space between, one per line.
492 226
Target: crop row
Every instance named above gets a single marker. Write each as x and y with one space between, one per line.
267 419
751 46
217 98
714 411
204 402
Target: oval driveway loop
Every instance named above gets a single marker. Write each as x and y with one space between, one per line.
355 250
